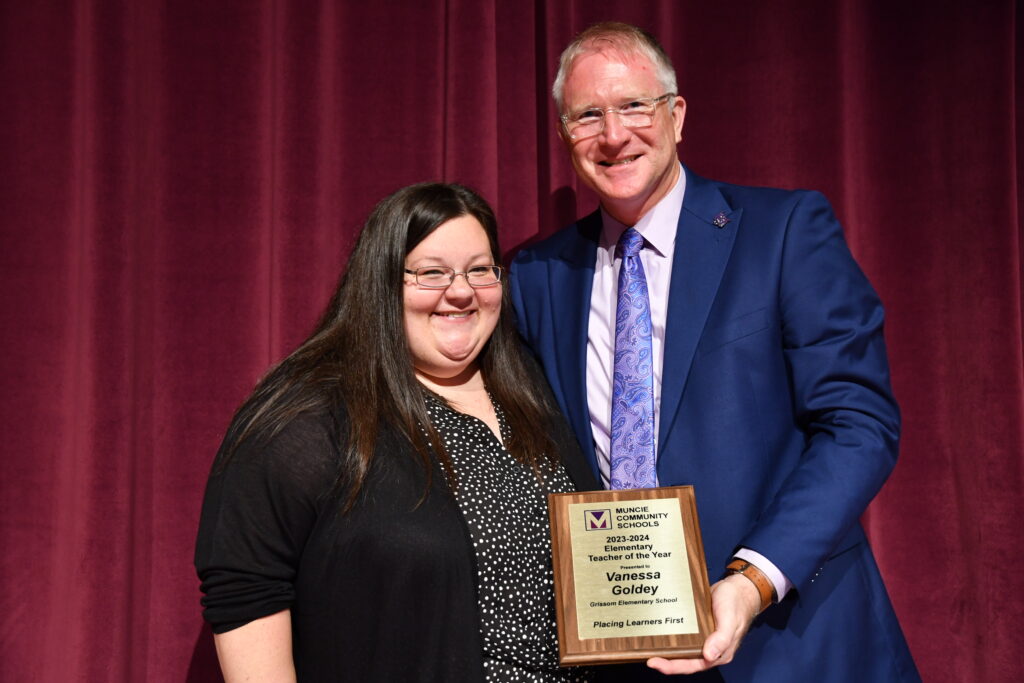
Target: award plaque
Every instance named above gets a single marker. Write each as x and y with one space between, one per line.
630 578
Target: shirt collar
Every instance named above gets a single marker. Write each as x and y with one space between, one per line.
657 226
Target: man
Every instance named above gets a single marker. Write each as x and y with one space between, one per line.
752 365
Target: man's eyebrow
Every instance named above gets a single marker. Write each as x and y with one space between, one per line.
622 100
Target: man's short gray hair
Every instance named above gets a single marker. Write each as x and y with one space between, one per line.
618 36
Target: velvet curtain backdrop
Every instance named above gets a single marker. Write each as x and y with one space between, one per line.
180 182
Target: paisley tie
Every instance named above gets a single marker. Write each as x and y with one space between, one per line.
632 451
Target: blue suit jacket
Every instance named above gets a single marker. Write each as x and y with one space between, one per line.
775 406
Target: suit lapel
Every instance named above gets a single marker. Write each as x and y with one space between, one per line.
570 285
702 250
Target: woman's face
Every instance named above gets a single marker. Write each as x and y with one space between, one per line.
447 328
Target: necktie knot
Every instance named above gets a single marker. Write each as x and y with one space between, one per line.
630 243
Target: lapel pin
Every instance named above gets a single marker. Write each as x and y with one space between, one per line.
720 220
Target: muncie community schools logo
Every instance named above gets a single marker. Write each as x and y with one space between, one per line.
597 519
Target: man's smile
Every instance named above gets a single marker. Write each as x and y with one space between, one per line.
619 162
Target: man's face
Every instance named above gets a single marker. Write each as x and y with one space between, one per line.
631 169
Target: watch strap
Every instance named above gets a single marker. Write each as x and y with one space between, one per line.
764 586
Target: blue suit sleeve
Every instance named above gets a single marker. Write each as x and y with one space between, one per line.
832 324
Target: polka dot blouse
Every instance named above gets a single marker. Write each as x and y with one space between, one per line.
505 508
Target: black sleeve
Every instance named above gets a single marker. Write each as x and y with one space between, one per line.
257 514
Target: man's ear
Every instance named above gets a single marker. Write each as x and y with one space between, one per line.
678 116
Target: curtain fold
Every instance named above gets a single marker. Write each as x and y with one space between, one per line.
181 182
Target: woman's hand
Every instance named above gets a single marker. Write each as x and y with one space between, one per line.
259 651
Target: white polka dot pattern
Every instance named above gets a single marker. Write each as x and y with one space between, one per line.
505 507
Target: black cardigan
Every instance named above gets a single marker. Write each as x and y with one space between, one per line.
385 592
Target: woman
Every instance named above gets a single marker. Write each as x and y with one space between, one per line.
377 511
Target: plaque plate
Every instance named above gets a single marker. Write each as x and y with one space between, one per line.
630 579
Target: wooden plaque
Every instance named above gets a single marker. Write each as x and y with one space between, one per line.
630 578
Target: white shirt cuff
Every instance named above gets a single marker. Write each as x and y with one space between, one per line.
778 579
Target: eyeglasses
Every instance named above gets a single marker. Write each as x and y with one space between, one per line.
440 277
638 113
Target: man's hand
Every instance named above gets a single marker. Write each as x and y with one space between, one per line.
734 602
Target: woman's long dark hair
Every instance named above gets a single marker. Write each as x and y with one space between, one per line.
358 361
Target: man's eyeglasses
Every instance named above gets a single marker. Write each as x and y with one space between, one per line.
440 277
638 113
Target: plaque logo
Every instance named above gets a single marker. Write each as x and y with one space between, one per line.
598 519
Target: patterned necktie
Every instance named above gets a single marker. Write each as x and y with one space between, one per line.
632 452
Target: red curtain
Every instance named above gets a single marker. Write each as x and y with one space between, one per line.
180 182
